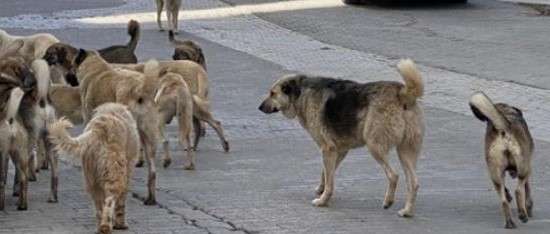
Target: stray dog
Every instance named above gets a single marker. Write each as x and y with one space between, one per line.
34 46
100 83
172 13
341 115
62 55
196 79
107 147
187 50
12 49
508 148
14 143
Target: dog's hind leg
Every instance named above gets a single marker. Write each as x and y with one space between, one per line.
160 6
321 188
202 113
52 159
380 154
330 156
497 176
167 160
33 163
197 132
408 155
149 146
21 166
520 200
120 213
42 158
106 221
528 199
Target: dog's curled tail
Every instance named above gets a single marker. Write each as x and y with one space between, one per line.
61 138
414 87
133 31
16 95
484 109
151 72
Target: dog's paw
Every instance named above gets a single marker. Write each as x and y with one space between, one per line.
22 207
523 217
510 225
139 163
120 227
32 177
52 200
405 213
189 167
161 29
166 162
387 204
150 202
225 146
319 190
104 229
318 202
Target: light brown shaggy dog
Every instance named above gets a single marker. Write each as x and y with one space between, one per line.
341 115
107 147
34 46
172 13
508 148
100 83
14 144
197 80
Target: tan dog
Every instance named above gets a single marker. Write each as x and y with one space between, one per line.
172 13
100 83
175 100
34 46
197 80
14 144
187 50
66 102
508 148
107 147
341 115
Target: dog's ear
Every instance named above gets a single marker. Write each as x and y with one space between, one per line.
71 79
520 113
80 57
291 88
478 114
61 55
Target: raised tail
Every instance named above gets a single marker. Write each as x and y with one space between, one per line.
13 104
133 31
484 109
61 138
42 71
414 87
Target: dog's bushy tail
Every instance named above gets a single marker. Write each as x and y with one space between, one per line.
151 72
42 72
414 87
484 109
61 138
16 95
133 31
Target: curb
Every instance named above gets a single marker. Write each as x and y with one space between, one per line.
541 6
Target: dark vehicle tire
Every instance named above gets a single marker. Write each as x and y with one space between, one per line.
353 2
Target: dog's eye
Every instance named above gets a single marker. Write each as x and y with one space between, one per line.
271 93
140 100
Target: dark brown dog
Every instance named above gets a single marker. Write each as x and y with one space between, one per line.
187 50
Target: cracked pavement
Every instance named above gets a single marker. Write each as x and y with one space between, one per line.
265 184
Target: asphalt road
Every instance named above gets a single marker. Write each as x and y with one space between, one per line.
265 184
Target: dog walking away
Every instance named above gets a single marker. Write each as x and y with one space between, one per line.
13 144
172 13
341 115
107 147
508 148
187 50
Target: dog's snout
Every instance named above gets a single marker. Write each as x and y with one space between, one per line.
267 108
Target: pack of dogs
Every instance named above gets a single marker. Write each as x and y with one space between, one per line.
125 107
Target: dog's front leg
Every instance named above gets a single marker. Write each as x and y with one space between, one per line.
52 158
149 146
160 6
330 156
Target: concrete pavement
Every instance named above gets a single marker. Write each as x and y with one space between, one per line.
266 182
